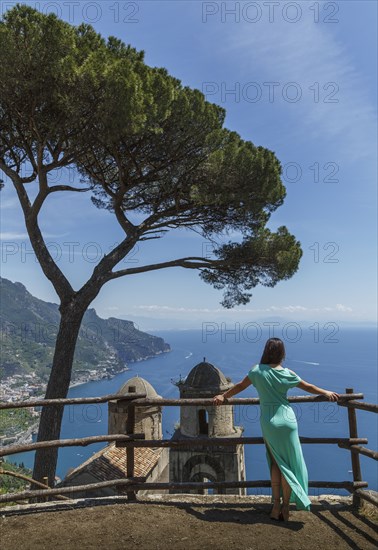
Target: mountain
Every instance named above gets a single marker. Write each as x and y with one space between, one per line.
28 332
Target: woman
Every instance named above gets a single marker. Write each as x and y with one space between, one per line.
288 470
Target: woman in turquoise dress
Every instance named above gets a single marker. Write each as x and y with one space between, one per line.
279 427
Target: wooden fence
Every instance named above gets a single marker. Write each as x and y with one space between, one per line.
130 440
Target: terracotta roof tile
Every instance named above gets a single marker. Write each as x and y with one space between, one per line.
110 463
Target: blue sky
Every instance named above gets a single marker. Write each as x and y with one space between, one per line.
300 80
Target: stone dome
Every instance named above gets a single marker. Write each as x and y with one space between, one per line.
137 385
205 376
147 417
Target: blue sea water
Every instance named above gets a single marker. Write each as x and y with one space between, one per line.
331 358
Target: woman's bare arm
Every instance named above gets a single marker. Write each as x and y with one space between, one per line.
240 386
311 388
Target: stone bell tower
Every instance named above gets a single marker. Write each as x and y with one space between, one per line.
223 463
147 419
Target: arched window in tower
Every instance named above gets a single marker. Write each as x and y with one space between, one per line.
203 424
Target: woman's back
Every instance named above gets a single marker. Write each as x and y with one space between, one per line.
272 383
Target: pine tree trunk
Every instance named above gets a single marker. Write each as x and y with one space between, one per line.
51 417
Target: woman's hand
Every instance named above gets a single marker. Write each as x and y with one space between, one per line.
332 396
218 399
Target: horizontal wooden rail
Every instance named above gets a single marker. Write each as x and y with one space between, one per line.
370 496
220 441
134 485
148 401
29 479
80 442
358 449
371 407
69 401
140 399
137 440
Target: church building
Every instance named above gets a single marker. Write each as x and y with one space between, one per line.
213 463
223 463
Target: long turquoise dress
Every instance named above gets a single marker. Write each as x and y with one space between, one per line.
280 430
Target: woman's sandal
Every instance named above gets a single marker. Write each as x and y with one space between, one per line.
279 516
285 513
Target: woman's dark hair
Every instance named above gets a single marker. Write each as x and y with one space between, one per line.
274 352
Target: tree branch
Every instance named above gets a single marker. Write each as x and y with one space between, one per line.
10 150
188 263
148 223
29 152
38 202
60 283
102 273
68 188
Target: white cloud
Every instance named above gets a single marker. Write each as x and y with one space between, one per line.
13 236
290 309
154 308
171 309
341 307
16 236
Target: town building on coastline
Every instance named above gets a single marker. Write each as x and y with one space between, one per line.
223 463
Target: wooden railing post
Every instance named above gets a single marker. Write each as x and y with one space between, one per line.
45 481
355 457
130 429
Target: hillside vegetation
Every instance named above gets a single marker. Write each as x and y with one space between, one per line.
28 332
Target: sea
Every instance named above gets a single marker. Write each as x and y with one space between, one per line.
330 357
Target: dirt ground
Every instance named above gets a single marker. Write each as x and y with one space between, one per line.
164 523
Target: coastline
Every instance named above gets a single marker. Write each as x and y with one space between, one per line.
109 376
24 437
94 378
27 435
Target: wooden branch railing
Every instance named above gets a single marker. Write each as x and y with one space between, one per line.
141 399
221 441
149 401
29 479
130 428
134 484
369 496
351 447
130 440
80 441
371 407
75 401
137 440
356 466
